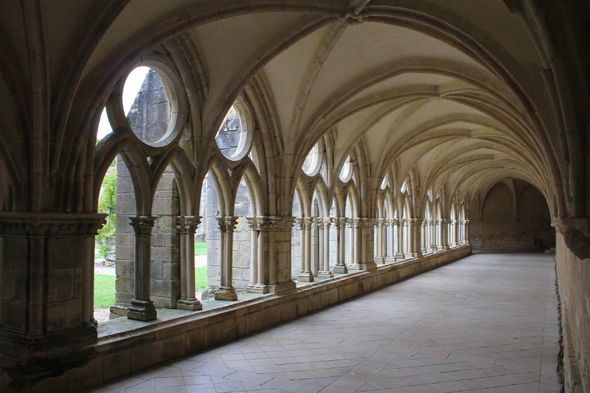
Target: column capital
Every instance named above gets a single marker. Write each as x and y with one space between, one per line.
143 225
380 222
187 224
227 223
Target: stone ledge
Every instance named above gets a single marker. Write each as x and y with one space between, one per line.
159 341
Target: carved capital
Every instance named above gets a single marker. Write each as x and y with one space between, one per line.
187 224
227 223
51 224
143 225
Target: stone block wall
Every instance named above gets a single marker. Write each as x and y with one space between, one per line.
125 248
498 229
574 282
165 265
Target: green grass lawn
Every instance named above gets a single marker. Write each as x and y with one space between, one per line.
104 290
201 278
104 287
200 248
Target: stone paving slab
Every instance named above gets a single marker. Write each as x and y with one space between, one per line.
486 323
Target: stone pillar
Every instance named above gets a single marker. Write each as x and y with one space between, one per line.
187 225
433 240
226 291
251 221
364 230
444 234
306 274
324 241
46 307
415 241
278 230
141 307
466 231
379 258
455 231
340 224
390 241
400 239
351 243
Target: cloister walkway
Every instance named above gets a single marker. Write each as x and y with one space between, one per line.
486 323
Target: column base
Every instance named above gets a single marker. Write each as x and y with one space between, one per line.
142 310
305 277
379 260
283 288
189 304
389 259
257 288
340 269
326 274
399 256
368 266
118 311
226 293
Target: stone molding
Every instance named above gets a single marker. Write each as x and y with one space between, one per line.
51 224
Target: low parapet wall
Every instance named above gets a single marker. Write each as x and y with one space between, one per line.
159 341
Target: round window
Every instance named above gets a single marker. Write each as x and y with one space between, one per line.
233 138
147 105
313 161
346 171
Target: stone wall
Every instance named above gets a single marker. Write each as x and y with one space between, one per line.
498 228
573 275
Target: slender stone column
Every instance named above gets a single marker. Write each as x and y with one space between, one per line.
444 234
187 225
324 240
226 291
254 257
141 307
352 243
455 232
400 239
306 274
390 240
466 231
415 241
379 258
433 240
364 229
340 224
461 239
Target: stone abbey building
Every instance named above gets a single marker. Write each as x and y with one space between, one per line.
345 143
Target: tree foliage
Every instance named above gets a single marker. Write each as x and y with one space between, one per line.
107 203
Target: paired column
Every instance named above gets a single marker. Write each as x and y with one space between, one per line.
455 232
466 231
444 234
227 225
305 274
141 307
399 223
390 241
324 245
340 224
379 225
415 226
187 225
364 256
433 240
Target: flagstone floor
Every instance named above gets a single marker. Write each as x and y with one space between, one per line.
486 323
